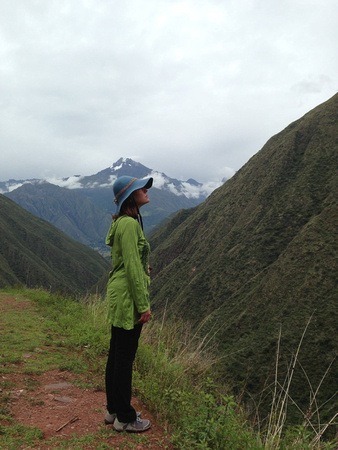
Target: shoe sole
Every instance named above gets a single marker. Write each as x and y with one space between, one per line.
132 431
119 430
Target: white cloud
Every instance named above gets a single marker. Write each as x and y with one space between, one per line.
12 187
188 86
69 183
158 179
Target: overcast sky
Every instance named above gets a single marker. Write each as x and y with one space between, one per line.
191 88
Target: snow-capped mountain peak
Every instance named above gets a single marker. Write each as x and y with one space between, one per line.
123 166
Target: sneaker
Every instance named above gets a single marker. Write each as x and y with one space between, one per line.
137 426
109 418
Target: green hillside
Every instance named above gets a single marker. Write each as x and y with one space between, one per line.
69 210
259 255
35 254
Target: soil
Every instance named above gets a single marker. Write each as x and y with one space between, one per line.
54 403
60 409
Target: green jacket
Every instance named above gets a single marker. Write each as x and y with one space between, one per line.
128 284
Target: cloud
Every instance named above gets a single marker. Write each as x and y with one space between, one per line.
184 87
73 182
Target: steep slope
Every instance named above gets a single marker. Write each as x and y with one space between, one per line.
260 253
34 253
70 211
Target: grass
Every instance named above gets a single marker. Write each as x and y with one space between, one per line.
27 341
173 375
45 332
176 372
78 328
12 436
311 431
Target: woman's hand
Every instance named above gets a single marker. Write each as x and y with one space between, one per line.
145 317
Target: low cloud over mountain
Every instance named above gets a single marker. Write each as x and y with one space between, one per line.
190 188
81 206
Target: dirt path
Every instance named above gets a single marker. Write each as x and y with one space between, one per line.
52 403
68 415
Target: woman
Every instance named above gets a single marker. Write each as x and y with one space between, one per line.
128 298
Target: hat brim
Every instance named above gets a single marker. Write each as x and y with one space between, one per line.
137 184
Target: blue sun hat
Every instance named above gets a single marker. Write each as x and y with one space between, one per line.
124 186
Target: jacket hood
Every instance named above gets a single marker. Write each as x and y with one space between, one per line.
112 231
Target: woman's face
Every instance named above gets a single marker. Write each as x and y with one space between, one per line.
141 197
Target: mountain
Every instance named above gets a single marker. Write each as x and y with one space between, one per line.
69 210
259 256
189 189
81 206
35 254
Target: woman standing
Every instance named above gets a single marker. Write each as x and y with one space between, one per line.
128 298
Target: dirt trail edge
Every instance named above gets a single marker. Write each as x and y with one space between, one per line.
68 415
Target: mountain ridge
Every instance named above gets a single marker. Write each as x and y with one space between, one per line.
123 166
68 210
34 253
82 206
258 253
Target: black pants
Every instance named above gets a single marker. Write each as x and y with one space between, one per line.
119 369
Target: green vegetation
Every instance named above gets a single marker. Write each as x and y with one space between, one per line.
35 254
260 255
68 210
173 376
13 436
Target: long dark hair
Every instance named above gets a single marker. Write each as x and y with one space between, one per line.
130 208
